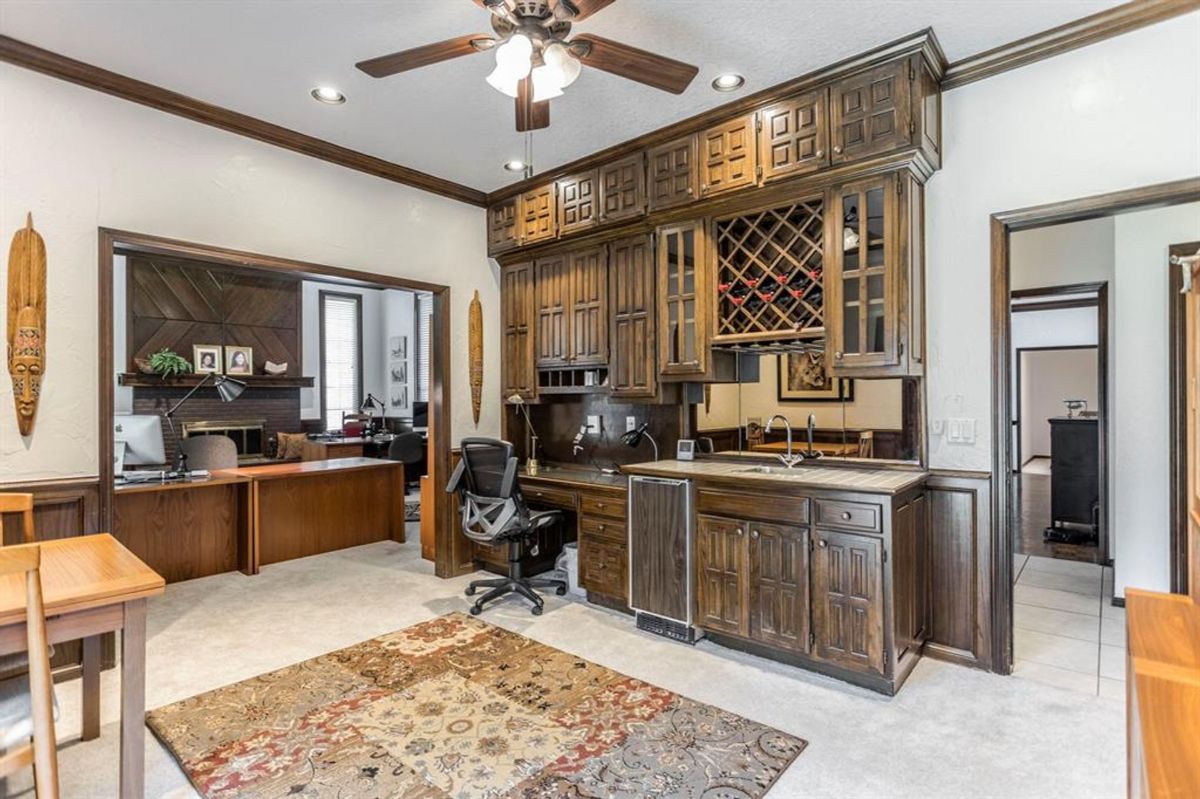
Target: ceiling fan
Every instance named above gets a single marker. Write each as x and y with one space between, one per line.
534 59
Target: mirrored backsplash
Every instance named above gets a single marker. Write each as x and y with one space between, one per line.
876 419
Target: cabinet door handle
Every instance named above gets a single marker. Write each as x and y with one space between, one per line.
821 543
601 527
837 149
741 532
846 516
754 533
690 190
837 356
820 153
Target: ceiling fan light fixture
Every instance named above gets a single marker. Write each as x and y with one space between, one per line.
728 82
328 95
513 62
558 57
504 81
547 83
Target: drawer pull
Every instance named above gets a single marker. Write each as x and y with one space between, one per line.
821 542
601 505
847 515
601 527
837 149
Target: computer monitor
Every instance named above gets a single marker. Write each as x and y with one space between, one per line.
420 414
143 439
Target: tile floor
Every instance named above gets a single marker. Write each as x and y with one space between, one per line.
1066 631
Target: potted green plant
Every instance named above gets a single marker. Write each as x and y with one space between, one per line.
167 363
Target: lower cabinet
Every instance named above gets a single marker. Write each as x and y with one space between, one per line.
603 548
847 600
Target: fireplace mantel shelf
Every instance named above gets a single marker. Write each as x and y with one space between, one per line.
139 380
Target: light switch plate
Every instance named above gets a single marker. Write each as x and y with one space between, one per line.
960 431
593 425
630 423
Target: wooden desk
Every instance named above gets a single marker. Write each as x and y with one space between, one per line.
92 585
302 509
1163 685
834 449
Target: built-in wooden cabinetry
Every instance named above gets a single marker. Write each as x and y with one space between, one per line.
552 293
518 322
623 188
588 286
872 112
682 300
504 225
672 173
728 156
539 214
578 202
633 362
793 135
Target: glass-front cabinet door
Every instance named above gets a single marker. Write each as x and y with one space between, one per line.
683 300
861 283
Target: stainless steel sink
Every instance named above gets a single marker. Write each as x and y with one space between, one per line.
777 470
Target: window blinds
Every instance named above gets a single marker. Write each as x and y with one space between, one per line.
424 315
341 348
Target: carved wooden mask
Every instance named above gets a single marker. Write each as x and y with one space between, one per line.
26 322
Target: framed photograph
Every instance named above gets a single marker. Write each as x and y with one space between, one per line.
399 372
239 360
398 346
801 378
207 358
399 398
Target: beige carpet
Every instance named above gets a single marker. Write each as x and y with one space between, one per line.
455 707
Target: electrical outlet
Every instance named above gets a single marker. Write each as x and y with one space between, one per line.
630 423
937 427
593 425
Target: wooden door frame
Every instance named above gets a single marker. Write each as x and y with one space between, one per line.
1003 225
1177 347
111 240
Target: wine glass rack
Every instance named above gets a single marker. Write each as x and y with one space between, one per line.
770 271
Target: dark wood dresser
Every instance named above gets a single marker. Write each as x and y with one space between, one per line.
1074 478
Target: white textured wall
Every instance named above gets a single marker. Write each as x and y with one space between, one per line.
1047 378
1141 484
1115 115
80 160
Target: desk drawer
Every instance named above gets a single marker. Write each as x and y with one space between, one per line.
734 504
599 527
603 568
612 506
552 497
851 515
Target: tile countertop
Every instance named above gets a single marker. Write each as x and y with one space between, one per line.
873 481
576 476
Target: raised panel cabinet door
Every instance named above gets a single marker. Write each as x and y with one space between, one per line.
623 188
721 577
861 285
793 137
503 227
578 198
847 599
539 220
728 156
603 568
517 323
633 366
683 291
551 293
588 341
673 173
871 112
779 586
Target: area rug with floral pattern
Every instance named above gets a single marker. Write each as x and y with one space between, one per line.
457 708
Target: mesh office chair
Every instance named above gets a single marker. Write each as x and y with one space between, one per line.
494 512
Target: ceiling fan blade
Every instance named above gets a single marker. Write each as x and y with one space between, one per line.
576 10
530 115
642 66
425 55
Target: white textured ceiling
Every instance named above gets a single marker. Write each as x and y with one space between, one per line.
261 57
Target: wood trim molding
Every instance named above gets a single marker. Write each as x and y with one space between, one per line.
1064 38
59 66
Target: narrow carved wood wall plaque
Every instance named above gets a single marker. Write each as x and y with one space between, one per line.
26 321
475 329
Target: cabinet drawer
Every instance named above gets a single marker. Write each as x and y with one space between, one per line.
611 530
553 497
851 515
788 510
603 568
602 505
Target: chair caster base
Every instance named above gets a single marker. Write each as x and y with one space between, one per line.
470 590
476 610
536 610
560 591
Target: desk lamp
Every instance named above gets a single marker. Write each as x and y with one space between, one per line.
228 389
531 463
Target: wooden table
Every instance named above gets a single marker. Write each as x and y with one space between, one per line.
92 585
834 449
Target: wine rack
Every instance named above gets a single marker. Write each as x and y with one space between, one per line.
770 272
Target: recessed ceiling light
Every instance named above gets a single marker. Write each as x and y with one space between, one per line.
328 95
515 165
728 82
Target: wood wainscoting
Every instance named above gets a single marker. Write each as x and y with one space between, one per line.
62 509
962 556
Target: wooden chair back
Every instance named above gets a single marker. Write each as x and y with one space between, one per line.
22 504
866 444
43 752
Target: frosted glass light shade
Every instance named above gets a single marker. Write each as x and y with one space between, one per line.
504 81
546 83
559 58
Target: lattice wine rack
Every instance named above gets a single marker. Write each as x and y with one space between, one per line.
770 268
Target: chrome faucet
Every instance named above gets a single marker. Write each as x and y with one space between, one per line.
789 460
812 423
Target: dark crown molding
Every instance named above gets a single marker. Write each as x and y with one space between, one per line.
1070 36
28 56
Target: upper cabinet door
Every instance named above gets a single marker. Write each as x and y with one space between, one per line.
633 369
552 293
673 173
517 323
728 156
872 112
589 307
623 189
539 220
503 226
683 291
578 198
793 138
